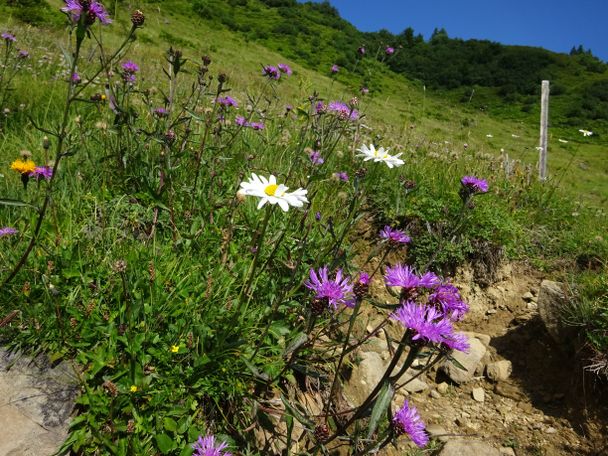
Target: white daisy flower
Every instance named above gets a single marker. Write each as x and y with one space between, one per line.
270 192
379 155
586 132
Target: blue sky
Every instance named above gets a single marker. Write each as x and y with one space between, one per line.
553 24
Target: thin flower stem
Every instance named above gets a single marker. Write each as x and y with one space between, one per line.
334 384
258 241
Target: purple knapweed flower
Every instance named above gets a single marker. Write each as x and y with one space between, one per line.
394 236
92 9
23 54
474 185
335 291
240 121
426 322
8 37
429 280
457 341
334 69
407 420
315 158
130 67
271 72
447 298
256 125
75 78
227 102
7 231
389 50
341 176
361 286
42 172
401 276
343 111
161 112
318 216
284 68
207 446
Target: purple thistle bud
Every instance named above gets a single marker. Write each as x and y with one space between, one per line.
334 69
271 72
407 421
394 236
23 54
284 68
320 108
75 78
389 50
364 90
7 231
207 446
318 216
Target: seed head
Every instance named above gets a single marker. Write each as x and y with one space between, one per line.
138 18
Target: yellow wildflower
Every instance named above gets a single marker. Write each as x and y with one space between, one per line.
134 389
174 348
23 166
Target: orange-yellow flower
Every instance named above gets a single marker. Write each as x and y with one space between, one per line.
23 166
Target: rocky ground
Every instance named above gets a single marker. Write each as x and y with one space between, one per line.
521 393
36 401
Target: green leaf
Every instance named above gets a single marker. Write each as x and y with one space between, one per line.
382 403
456 363
18 203
165 443
170 424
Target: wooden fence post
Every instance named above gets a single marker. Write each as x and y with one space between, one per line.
544 118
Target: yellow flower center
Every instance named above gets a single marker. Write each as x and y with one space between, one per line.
271 189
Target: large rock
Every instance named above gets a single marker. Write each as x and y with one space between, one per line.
470 361
551 303
500 370
36 402
468 447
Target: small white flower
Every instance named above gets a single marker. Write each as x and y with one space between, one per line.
513 135
270 192
586 132
379 155
489 135
563 141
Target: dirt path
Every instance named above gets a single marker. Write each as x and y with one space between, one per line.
542 408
